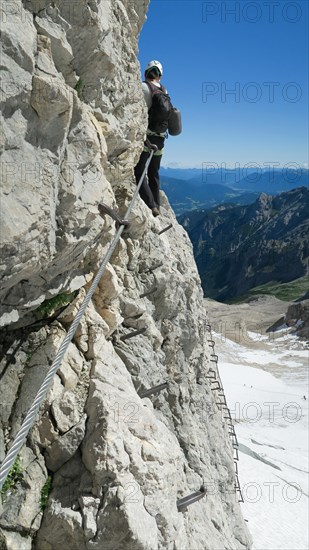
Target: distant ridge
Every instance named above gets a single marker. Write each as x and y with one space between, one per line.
185 195
238 248
192 188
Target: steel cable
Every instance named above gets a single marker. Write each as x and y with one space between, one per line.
30 417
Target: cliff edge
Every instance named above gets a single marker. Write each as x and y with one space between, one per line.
103 466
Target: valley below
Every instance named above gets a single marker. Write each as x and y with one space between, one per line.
265 379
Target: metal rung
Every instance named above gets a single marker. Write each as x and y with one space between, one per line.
216 389
155 389
215 357
165 229
232 434
219 403
211 342
182 503
236 468
222 394
105 209
152 268
236 452
212 370
149 292
235 437
132 334
224 400
208 326
238 490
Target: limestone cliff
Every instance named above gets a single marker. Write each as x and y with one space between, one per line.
103 467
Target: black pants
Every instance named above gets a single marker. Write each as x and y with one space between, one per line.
150 193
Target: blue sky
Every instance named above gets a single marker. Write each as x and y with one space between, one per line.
259 50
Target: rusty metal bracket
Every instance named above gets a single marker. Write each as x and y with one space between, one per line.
182 503
151 391
105 209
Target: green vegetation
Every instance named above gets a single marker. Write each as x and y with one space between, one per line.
283 291
46 489
47 307
15 474
28 358
79 88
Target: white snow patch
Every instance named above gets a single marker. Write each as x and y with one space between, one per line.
271 422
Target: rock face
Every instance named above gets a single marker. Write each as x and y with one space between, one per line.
296 320
102 467
238 248
72 115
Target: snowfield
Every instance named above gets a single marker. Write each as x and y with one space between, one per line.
266 387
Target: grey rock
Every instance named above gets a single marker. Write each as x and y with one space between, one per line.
44 431
90 507
60 47
61 527
65 446
65 411
68 376
36 370
21 509
11 540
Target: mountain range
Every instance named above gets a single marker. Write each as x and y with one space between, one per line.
238 248
192 188
185 195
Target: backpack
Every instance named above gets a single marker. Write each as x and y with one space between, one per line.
160 110
174 122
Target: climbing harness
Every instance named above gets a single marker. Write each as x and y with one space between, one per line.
31 415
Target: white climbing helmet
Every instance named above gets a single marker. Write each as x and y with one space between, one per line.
154 65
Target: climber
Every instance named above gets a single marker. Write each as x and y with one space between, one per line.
159 108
